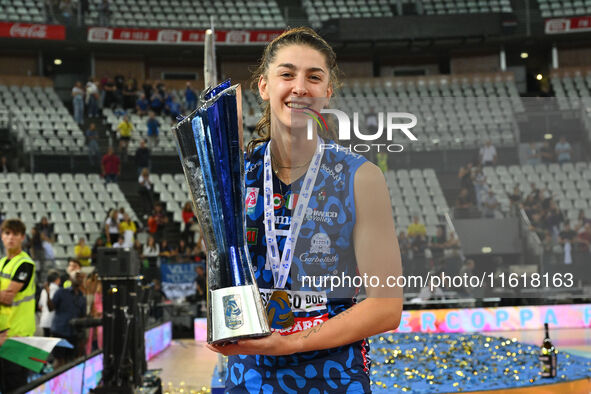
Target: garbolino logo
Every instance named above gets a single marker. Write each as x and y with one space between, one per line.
392 124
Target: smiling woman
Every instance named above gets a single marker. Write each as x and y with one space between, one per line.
321 212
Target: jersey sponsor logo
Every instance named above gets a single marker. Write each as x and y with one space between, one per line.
252 195
338 167
252 235
333 173
302 323
283 220
319 215
253 167
300 300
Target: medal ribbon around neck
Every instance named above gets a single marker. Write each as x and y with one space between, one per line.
280 265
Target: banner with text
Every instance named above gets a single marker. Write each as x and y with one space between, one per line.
178 279
180 37
32 31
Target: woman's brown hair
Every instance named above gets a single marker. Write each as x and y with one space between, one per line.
295 36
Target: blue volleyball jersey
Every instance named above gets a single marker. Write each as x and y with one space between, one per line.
324 246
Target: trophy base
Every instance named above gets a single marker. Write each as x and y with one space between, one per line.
237 315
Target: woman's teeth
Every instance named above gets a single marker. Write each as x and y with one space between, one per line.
296 105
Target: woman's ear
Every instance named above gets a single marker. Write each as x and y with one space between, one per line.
263 88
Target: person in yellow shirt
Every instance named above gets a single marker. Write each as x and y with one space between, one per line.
127 230
416 228
17 299
83 252
125 128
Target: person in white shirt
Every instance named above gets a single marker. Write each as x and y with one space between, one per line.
488 154
53 277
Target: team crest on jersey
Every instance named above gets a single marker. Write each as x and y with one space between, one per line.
338 167
321 195
320 243
252 195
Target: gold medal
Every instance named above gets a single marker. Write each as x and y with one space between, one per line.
279 311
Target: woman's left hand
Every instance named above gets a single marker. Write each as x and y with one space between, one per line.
273 345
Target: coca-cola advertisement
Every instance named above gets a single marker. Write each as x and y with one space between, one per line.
32 31
181 37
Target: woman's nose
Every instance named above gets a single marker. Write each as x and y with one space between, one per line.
299 86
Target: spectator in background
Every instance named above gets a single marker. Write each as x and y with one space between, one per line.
465 176
438 243
173 108
78 103
145 189
92 144
490 204
54 280
190 97
156 102
547 153
94 290
110 166
68 303
153 130
4 168
129 95
46 229
99 243
138 247
92 98
189 220
416 228
141 105
155 300
112 227
165 249
34 245
110 91
567 238
124 128
480 186
488 154
142 157
127 229
404 243
120 242
582 219
156 221
563 151
152 249
584 237
533 154
515 200
104 12
464 204
83 252
148 89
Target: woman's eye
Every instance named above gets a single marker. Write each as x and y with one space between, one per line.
286 75
315 77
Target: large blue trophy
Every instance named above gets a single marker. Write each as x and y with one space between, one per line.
209 141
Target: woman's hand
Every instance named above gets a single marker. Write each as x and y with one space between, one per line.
273 345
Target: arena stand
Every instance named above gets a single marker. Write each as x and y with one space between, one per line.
195 15
76 204
39 119
22 11
557 8
455 111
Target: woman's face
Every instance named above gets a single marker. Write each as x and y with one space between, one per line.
297 75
